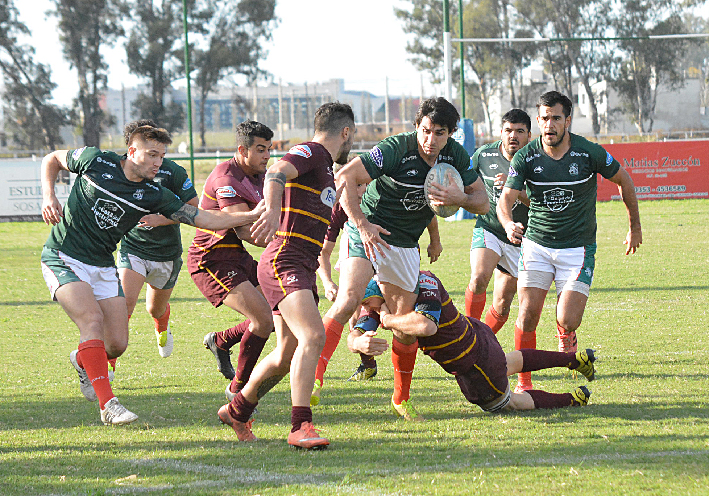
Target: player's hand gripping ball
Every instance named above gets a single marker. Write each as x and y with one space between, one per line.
443 174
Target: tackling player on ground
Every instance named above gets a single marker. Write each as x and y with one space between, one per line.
490 250
468 349
559 171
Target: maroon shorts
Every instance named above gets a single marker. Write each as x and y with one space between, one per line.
282 271
216 278
485 383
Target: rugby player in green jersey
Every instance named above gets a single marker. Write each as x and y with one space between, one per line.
384 229
490 250
559 170
110 196
154 254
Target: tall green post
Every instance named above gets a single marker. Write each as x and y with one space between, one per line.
462 60
448 66
189 89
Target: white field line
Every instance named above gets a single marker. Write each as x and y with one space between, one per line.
235 475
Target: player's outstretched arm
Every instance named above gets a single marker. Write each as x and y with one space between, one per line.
51 165
157 220
215 221
411 323
626 188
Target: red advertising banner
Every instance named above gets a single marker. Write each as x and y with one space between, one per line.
661 170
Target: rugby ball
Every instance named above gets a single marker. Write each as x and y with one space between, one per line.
442 174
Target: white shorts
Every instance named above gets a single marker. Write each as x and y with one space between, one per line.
399 266
508 253
570 268
160 275
59 268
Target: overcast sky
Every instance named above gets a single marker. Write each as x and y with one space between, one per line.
360 41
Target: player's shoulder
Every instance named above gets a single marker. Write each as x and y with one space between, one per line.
401 143
172 166
489 149
529 152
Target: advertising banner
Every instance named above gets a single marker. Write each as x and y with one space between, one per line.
661 170
21 189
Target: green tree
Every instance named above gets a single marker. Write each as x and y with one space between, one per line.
30 119
232 44
643 66
84 27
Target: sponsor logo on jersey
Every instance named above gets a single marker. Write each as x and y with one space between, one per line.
446 158
226 192
187 184
104 161
150 185
301 150
609 159
107 176
588 271
138 195
291 279
493 166
532 157
558 199
62 273
512 172
414 200
77 153
231 274
107 213
410 157
538 169
427 282
411 172
377 156
578 154
328 196
490 154
574 169
165 172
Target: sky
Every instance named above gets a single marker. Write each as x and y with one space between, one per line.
360 41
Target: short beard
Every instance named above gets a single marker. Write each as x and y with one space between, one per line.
558 141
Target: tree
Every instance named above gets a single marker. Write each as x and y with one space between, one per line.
84 27
31 120
643 66
152 53
233 45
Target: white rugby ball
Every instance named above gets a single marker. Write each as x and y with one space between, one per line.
442 174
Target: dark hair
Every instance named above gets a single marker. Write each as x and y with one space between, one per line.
440 111
551 98
333 117
248 130
150 133
132 126
517 116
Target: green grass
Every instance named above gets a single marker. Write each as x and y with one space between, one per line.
646 430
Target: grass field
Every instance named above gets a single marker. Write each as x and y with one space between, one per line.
646 430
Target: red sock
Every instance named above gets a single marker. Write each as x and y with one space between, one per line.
92 358
542 399
228 338
249 352
298 415
162 322
542 359
333 332
403 357
474 304
240 408
494 320
525 340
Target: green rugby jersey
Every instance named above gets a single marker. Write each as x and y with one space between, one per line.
103 205
395 199
488 161
562 192
164 243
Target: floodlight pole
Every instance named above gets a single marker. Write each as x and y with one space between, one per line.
189 90
447 62
462 60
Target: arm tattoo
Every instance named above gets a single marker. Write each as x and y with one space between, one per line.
277 177
186 214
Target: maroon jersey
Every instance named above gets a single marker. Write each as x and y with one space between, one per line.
226 185
337 222
456 346
307 203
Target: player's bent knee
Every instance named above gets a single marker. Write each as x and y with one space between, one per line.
498 404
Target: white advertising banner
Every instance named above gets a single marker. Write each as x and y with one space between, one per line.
21 189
